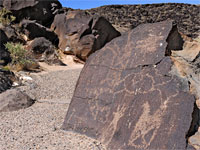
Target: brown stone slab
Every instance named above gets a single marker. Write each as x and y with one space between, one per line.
127 98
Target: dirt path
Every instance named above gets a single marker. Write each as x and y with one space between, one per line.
38 127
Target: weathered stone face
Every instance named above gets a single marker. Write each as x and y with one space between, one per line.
126 96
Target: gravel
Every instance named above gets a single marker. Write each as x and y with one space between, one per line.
38 127
52 86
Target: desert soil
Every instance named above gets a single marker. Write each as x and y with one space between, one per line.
39 126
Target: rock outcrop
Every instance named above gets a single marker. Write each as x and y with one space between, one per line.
5 80
43 50
81 34
187 66
129 97
34 30
42 11
12 100
195 140
4 54
12 34
186 16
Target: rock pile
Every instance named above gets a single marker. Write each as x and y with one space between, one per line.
35 30
186 16
81 34
42 11
31 29
30 26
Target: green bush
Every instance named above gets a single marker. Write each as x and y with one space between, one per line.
6 68
5 17
18 54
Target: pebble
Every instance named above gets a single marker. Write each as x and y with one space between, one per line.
39 126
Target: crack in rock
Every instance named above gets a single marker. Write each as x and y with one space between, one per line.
138 108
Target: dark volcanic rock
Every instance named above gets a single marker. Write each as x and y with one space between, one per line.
187 64
12 34
4 54
42 11
34 30
13 100
43 50
127 98
82 34
186 16
5 80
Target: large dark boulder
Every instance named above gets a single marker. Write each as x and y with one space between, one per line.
128 96
42 11
4 54
82 34
34 30
43 50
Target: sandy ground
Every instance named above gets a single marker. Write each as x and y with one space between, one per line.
38 127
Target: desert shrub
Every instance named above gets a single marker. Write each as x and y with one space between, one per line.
6 68
19 56
5 17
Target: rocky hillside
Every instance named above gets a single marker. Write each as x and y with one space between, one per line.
186 16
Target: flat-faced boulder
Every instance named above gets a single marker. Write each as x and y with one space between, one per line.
127 96
81 34
42 11
13 99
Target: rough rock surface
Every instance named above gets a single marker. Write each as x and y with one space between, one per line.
12 100
187 63
195 140
5 80
82 34
42 11
43 50
186 16
12 34
34 30
127 98
4 54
